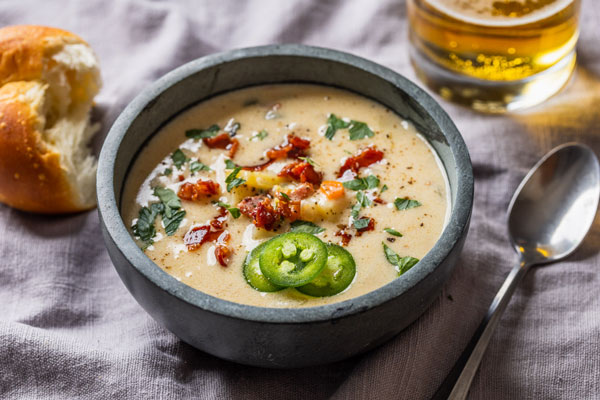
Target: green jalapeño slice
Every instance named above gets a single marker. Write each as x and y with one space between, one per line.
254 275
335 277
293 259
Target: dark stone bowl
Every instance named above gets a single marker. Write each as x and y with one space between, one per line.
272 337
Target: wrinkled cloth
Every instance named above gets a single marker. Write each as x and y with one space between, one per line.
70 329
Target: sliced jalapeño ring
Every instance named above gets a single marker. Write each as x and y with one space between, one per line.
254 275
337 275
293 259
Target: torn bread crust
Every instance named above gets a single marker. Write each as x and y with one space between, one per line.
49 78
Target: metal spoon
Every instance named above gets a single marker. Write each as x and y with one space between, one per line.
549 215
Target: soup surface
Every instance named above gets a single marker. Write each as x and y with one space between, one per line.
311 158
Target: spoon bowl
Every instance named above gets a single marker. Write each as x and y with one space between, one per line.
554 206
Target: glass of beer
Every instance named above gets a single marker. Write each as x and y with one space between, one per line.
494 55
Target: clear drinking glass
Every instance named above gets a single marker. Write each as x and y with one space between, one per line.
494 55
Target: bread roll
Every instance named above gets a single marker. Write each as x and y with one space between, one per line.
48 79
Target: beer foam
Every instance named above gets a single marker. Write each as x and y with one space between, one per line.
488 12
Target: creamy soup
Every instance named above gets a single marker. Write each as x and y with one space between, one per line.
241 168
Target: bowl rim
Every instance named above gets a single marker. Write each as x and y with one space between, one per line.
114 225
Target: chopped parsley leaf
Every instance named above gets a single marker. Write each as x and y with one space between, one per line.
285 196
403 263
144 226
170 210
333 124
393 232
370 182
360 130
203 133
171 223
306 227
309 160
167 172
169 199
363 199
196 166
230 164
260 135
232 180
178 158
406 204
384 188
234 211
361 223
355 210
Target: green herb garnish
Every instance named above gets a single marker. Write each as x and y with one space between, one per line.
230 164
355 210
405 204
306 227
285 196
383 188
170 210
178 158
232 180
167 172
363 199
260 135
209 132
393 232
172 222
403 263
234 211
196 166
144 226
333 124
361 223
309 160
370 182
169 199
360 130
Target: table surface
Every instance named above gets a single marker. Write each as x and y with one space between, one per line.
69 328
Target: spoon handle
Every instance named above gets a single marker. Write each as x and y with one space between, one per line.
458 381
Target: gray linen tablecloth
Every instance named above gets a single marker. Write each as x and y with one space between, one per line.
70 329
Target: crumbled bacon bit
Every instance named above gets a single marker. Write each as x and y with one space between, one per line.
261 211
364 158
367 228
379 200
302 191
181 178
344 234
196 191
222 252
223 141
218 221
289 209
199 235
301 171
292 147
